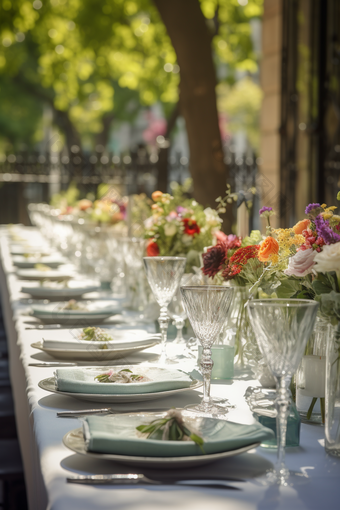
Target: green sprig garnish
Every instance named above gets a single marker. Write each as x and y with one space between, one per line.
92 334
124 376
171 428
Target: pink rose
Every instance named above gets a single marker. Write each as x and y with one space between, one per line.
301 263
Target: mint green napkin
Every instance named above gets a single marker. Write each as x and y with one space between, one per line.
81 380
117 435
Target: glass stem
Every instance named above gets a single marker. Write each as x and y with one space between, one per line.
282 405
163 322
179 326
206 368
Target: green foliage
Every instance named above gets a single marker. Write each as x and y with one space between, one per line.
291 287
255 237
327 292
20 114
66 198
232 43
242 104
89 59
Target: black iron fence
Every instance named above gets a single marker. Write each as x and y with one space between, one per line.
35 177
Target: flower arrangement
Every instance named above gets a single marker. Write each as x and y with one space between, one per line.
179 225
108 207
298 262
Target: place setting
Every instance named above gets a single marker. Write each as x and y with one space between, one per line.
69 288
177 438
31 261
75 313
96 343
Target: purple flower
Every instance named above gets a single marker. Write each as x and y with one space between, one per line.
265 209
324 230
311 207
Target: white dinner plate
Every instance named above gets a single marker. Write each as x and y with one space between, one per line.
49 385
93 354
36 274
74 289
21 249
155 379
96 312
74 440
31 261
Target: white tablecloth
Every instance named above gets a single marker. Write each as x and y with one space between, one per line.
47 462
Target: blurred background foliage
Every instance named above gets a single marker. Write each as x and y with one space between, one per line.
96 63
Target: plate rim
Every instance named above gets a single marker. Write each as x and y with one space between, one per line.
46 349
77 291
155 460
120 396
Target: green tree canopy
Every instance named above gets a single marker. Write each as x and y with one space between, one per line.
87 59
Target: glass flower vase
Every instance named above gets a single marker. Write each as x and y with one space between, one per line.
247 352
138 292
332 400
238 325
311 375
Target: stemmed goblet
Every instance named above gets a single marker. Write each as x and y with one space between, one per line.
164 275
207 307
282 328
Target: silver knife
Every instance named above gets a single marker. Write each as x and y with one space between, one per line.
106 410
53 364
139 479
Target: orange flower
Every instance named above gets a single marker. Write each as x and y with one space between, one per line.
156 195
268 249
301 226
84 204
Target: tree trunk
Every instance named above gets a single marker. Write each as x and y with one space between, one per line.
62 120
102 138
191 40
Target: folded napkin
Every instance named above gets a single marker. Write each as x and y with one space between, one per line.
82 380
117 434
121 340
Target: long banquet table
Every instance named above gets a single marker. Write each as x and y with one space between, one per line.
47 462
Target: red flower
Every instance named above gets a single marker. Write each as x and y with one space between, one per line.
214 259
190 227
239 259
152 249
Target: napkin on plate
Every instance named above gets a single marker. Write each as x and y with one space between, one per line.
82 380
117 434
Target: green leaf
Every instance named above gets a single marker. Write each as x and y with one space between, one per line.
288 288
146 428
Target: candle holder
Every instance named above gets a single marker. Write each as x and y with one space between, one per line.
311 376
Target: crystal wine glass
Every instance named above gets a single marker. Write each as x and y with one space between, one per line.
207 307
164 275
282 328
178 314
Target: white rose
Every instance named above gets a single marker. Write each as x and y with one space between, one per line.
149 222
328 259
301 263
170 229
211 216
186 239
